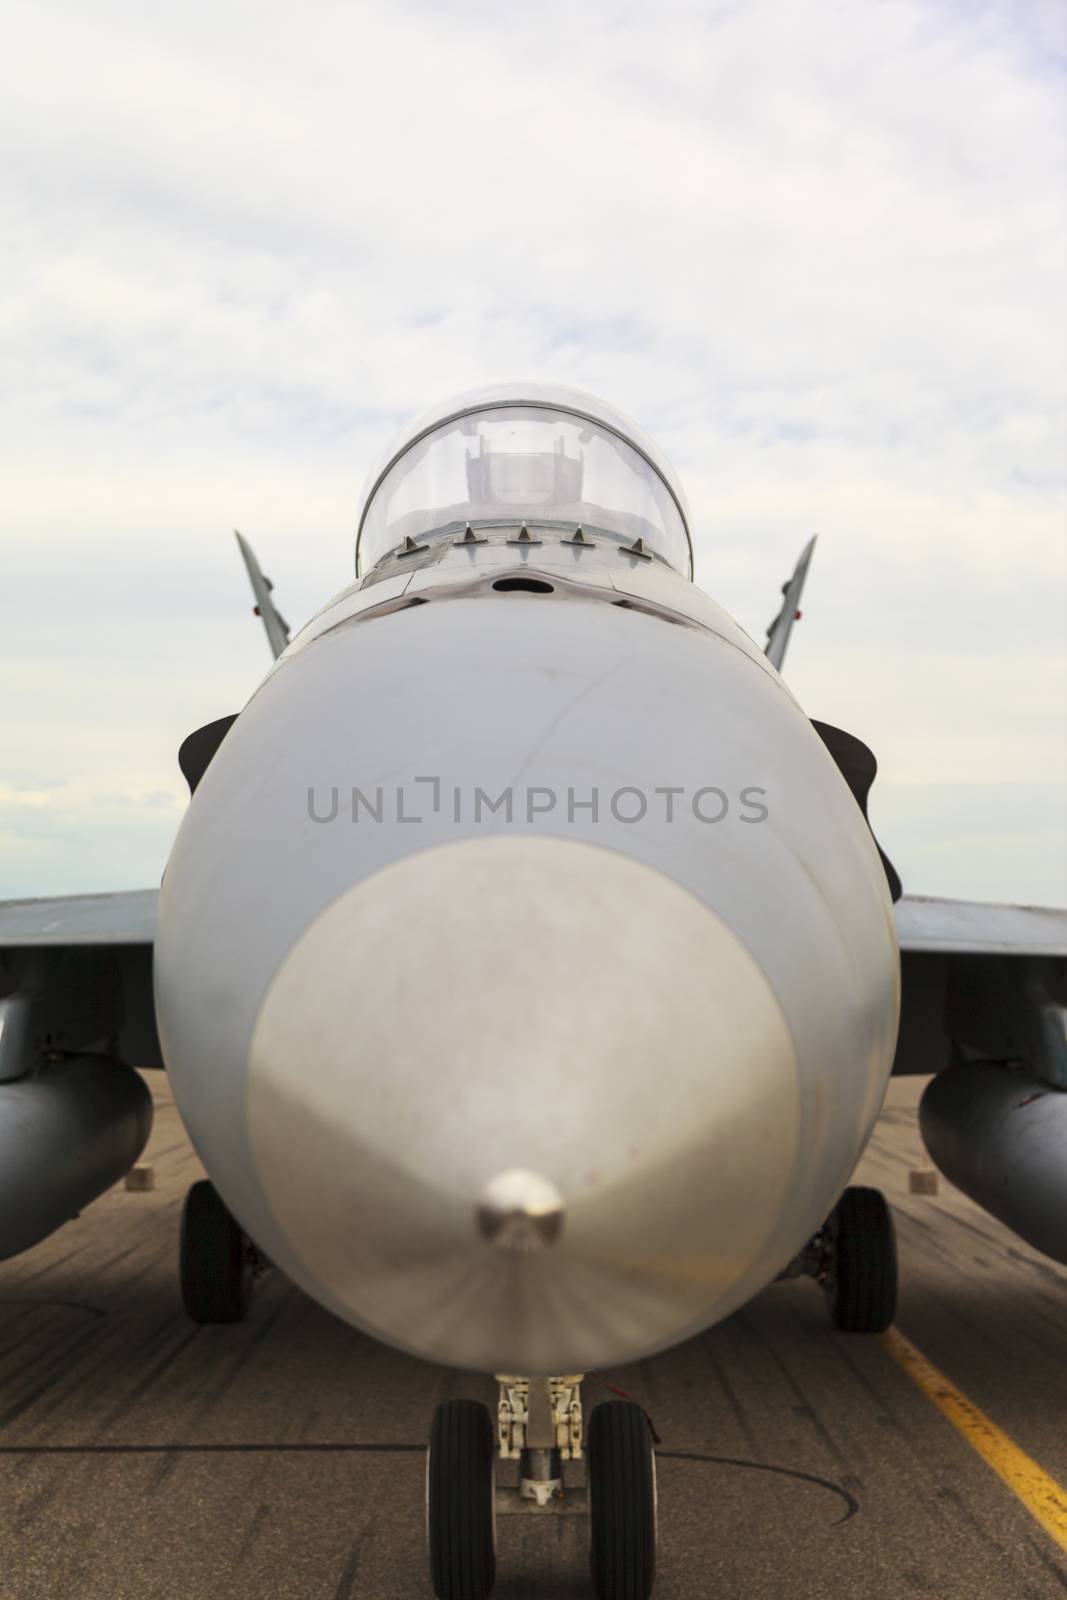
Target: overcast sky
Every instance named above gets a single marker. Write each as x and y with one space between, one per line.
817 248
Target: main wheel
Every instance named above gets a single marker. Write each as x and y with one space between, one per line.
460 1501
862 1282
215 1259
621 1471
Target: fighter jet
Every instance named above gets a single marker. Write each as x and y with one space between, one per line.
528 976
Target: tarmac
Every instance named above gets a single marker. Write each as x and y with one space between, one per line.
283 1459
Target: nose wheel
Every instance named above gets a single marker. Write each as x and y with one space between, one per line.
539 1425
621 1467
217 1260
460 1508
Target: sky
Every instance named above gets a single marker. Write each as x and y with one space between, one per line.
817 248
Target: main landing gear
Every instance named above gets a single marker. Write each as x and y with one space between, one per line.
854 1257
218 1261
539 1425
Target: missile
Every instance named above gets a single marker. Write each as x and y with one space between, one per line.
526 973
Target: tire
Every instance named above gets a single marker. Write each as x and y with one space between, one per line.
214 1262
621 1472
863 1273
460 1501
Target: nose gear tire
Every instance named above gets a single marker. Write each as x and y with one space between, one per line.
460 1490
622 1502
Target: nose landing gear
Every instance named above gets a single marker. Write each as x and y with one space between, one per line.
218 1263
460 1502
539 1424
622 1502
854 1257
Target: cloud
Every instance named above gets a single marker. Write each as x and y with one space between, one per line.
817 249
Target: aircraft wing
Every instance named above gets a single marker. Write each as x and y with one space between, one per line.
967 970
76 976
126 918
981 981
973 927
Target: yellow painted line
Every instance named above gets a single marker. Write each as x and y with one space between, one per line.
1043 1497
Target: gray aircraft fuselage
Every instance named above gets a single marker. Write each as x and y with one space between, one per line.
526 972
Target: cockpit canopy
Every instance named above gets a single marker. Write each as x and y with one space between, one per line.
524 452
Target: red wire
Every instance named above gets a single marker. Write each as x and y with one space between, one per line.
604 1384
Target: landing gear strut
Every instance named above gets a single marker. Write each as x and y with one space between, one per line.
539 1425
217 1260
854 1258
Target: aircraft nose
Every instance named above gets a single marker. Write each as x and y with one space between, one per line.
520 1211
522 1104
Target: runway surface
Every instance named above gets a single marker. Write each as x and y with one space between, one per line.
282 1459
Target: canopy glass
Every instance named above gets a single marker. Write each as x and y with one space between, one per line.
509 463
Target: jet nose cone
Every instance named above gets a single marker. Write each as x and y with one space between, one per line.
520 1211
522 1104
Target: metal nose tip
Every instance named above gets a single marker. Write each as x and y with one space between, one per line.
520 1212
